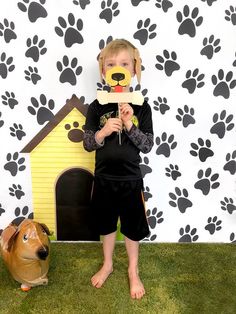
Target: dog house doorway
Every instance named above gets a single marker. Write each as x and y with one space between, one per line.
73 217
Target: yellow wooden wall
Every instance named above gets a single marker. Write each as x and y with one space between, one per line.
53 156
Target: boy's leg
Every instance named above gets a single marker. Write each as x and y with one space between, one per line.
108 247
137 290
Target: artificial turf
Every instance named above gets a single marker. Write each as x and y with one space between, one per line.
178 278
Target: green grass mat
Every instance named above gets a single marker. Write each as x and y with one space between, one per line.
179 278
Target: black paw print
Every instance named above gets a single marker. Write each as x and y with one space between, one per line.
103 86
188 235
32 75
135 3
234 63
154 217
213 225
1 121
14 164
202 150
232 238
231 163
186 116
193 80
16 190
146 194
164 4
35 48
103 43
220 127
188 24
138 88
9 100
35 10
7 30
145 31
72 33
209 2
2 210
41 111
211 46
161 105
173 171
74 135
22 214
168 63
231 15
17 131
145 169
82 3
222 88
6 65
109 10
228 204
165 145
206 181
180 200
150 237
69 72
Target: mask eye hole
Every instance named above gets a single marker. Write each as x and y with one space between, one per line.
25 238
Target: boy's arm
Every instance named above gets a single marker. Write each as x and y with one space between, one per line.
91 127
142 136
90 142
143 141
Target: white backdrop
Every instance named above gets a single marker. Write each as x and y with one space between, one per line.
48 52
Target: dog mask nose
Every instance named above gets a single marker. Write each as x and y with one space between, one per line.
43 253
117 76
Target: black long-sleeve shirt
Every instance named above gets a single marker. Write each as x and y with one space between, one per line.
114 161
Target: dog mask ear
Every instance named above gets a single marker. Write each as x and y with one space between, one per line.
100 62
138 63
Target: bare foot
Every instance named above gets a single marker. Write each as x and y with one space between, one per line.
101 276
137 290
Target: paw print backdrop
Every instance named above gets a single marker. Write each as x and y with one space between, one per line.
48 52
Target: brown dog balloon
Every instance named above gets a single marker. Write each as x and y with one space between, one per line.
25 251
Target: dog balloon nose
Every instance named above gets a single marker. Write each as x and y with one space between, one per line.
43 253
117 76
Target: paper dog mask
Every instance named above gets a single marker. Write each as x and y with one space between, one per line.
118 77
25 251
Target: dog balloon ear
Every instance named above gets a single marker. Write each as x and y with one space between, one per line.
138 64
8 236
45 228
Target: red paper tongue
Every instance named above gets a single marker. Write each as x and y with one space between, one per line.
118 89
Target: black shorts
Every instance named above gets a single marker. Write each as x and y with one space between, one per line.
113 199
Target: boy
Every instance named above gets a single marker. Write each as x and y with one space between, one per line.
118 181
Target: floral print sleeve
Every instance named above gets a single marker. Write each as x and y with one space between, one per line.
143 141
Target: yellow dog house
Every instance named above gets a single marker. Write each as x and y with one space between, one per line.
62 174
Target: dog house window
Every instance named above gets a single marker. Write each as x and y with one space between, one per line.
73 215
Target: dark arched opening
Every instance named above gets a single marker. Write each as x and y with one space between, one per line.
73 216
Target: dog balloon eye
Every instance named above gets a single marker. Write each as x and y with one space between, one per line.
25 238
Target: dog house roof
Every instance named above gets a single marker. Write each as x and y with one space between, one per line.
72 103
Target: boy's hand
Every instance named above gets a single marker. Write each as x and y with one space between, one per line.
112 125
126 114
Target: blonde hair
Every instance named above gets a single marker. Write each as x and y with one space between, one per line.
114 47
